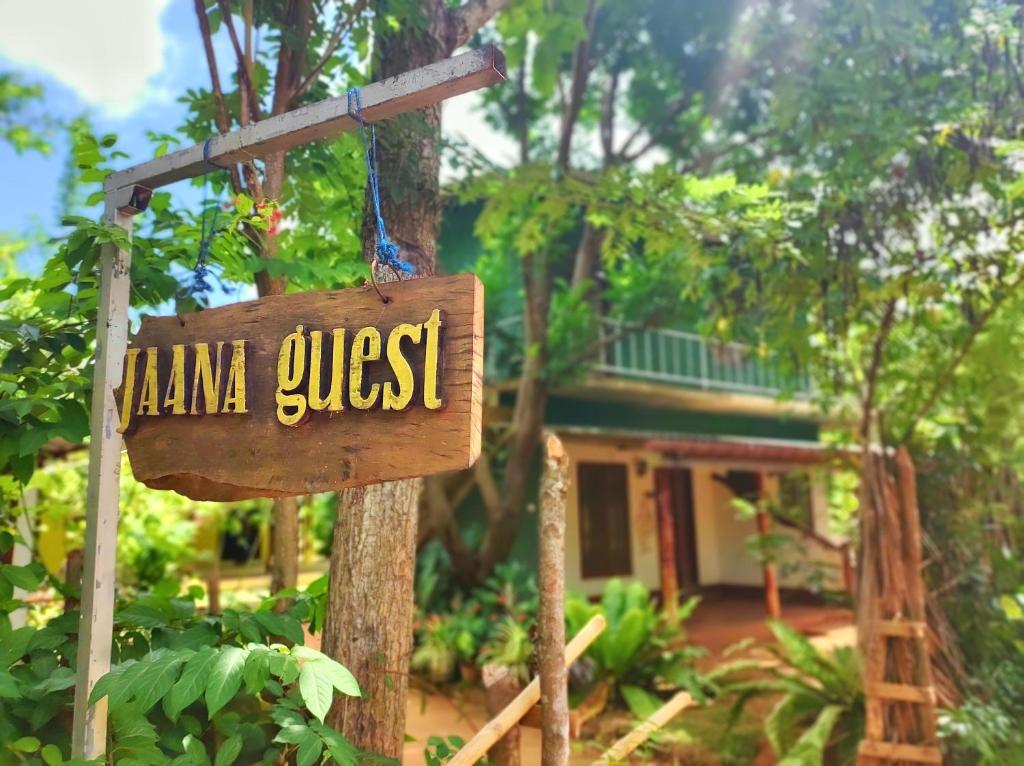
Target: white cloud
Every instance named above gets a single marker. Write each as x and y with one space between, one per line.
107 51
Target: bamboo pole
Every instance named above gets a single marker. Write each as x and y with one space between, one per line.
498 726
640 734
554 676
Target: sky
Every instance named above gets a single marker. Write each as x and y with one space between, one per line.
124 63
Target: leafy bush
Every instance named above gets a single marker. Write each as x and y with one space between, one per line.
184 688
639 647
821 712
490 624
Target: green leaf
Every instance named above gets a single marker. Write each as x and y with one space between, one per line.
781 725
341 678
158 680
62 678
25 745
641 702
809 750
142 615
52 756
280 625
192 682
8 686
316 688
25 577
257 669
308 745
229 750
225 678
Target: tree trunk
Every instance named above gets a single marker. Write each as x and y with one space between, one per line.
554 675
284 547
368 624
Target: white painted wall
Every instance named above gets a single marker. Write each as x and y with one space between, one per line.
722 556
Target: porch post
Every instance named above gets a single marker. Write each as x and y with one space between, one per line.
666 544
771 577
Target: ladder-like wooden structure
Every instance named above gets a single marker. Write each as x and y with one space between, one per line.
880 694
895 636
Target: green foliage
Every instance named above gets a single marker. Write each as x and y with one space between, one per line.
18 129
491 623
819 717
184 688
639 647
440 750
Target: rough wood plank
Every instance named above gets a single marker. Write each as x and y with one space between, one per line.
892 751
324 119
498 726
554 675
902 629
234 456
924 695
96 625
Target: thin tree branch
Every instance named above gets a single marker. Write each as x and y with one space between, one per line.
580 74
343 24
250 98
654 136
946 376
466 20
868 400
484 476
221 115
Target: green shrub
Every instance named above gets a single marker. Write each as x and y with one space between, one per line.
184 688
820 715
640 647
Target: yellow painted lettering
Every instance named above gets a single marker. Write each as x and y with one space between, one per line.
404 382
333 400
234 393
149 398
291 370
209 375
365 348
175 396
128 389
432 363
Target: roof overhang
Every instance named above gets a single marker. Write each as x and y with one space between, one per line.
613 389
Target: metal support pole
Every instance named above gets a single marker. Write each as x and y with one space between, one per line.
98 577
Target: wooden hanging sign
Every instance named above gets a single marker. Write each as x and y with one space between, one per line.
310 392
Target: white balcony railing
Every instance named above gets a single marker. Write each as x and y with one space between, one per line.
666 356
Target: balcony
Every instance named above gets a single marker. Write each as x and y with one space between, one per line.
660 355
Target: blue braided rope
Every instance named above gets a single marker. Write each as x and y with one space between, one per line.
386 250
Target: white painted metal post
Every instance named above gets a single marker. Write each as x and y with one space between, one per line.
98 576
22 553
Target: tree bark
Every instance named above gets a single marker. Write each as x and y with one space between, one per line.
368 625
284 547
554 675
